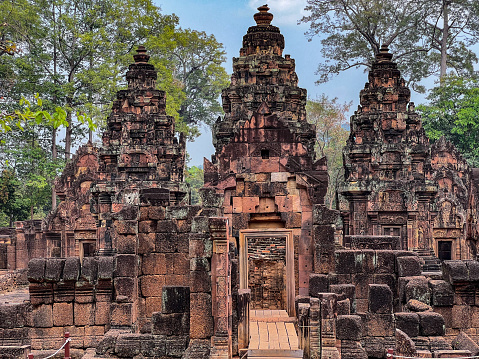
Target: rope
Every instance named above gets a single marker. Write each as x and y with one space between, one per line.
66 341
404 357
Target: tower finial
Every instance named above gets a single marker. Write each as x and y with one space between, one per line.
263 17
141 55
384 54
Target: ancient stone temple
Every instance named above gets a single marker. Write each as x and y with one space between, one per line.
396 183
130 270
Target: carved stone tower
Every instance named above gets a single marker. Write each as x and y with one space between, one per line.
386 162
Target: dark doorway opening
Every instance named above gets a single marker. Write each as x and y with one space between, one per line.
444 250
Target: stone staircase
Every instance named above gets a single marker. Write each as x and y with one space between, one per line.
430 263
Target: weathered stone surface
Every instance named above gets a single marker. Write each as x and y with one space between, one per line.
170 324
418 289
408 266
431 324
417 306
404 345
464 342
54 269
408 323
175 299
36 270
455 271
380 299
71 270
318 283
442 293
349 327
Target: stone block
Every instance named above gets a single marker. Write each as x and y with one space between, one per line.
442 293
151 285
201 320
386 262
102 313
84 314
62 314
126 287
89 269
128 345
318 283
344 307
408 266
344 291
200 281
176 346
36 270
346 262
349 327
361 282
379 325
199 264
126 244
352 349
431 324
461 316
408 323
147 226
71 269
404 345
323 215
126 265
464 342
175 299
43 316
418 289
380 299
146 243
455 271
473 270
170 324
54 269
105 267
452 353
123 314
154 263
126 227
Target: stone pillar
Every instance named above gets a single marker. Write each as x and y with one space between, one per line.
303 328
328 303
221 292
244 298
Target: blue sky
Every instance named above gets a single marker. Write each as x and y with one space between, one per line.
229 20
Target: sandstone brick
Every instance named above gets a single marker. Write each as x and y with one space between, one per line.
62 314
126 265
126 244
461 316
380 299
84 314
408 323
170 324
175 299
123 314
431 324
408 266
349 327
154 263
126 287
151 285
102 313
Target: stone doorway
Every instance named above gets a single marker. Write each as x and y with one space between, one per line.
266 261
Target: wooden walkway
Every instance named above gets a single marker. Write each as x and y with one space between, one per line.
272 335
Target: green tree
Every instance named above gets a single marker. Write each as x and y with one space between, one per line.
353 31
194 177
453 112
330 119
195 60
12 203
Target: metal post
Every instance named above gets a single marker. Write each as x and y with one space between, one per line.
30 356
67 345
390 353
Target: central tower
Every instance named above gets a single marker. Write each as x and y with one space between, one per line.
266 169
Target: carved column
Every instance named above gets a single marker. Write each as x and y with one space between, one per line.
221 291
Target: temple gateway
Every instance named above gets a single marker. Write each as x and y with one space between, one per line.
261 269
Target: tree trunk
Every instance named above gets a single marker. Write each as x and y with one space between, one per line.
54 157
445 35
68 133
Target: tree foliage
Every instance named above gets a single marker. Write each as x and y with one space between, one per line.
194 177
453 112
353 31
330 118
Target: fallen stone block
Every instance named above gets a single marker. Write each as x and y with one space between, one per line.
408 266
464 342
431 324
380 299
408 323
348 327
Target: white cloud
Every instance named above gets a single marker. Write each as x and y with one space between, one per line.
286 12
